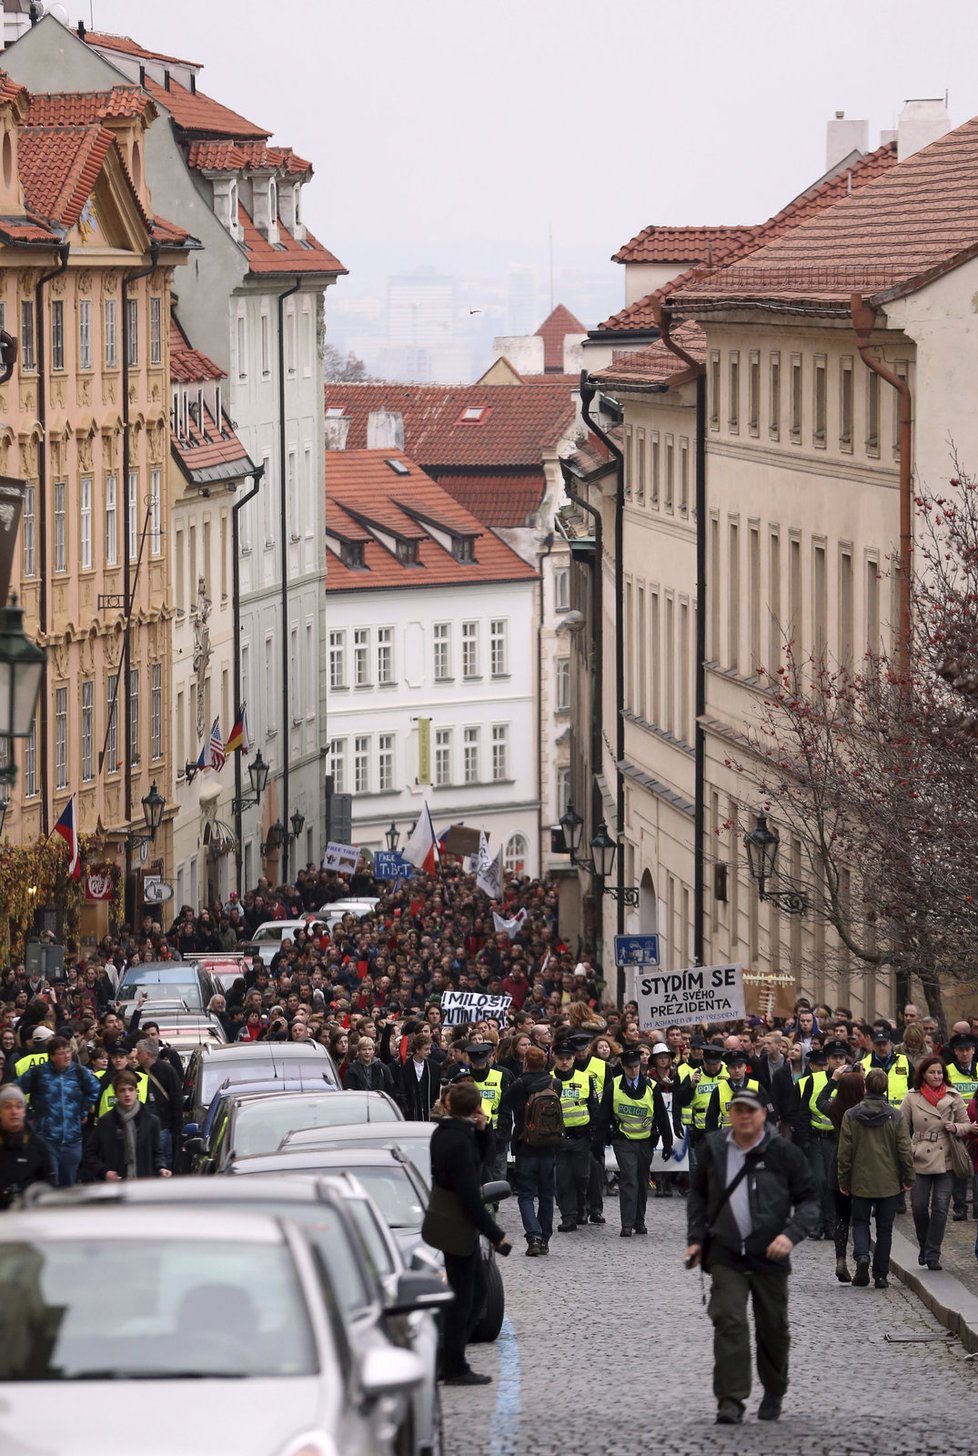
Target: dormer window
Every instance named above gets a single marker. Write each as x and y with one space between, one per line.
462 548
233 204
297 205
351 555
273 200
398 466
407 552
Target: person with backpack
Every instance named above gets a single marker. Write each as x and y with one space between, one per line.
538 1131
61 1094
634 1113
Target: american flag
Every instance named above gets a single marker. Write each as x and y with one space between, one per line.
217 747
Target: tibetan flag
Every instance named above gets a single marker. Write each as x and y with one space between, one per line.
66 828
239 738
216 747
421 849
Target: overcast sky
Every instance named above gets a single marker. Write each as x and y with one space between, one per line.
456 133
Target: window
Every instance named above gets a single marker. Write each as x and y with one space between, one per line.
385 656
241 337
500 752
684 477
30 762
640 467
514 855
61 738
290 342
872 606
156 710
872 413
85 333
670 471
498 649
270 703
27 526
845 405
563 684
60 528
714 390
733 603
337 764
563 790
361 657
112 736
337 659
774 423
753 391
733 404
361 764
819 603
155 533
774 601
155 331
87 731
562 589
292 494
796 398
443 757
470 755
111 522
132 332
28 358
754 595
443 651
109 333
310 673
294 674
819 401
654 494
470 649
385 762
57 333
134 715
845 610
133 528
901 370
85 523
266 365
270 495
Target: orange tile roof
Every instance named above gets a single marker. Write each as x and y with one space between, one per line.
656 364
11 90
912 223
519 422
104 40
592 456
169 235
496 500
558 323
361 487
288 256
225 156
657 244
197 114
59 166
27 231
205 453
82 108
187 364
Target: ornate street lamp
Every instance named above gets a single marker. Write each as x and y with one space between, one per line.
393 837
573 826
21 672
297 821
762 845
154 806
258 774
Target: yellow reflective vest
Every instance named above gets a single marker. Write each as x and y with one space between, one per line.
635 1115
964 1083
684 1070
898 1077
726 1094
597 1070
814 1083
107 1100
702 1097
574 1094
491 1092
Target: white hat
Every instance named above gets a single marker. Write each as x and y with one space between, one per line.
580 969
660 1049
42 1033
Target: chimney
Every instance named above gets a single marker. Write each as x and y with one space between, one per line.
337 430
385 430
842 137
81 30
922 121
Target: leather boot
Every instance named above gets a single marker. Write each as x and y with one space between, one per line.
842 1270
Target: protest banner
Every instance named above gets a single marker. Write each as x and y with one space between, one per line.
459 1007
510 927
389 865
341 857
685 997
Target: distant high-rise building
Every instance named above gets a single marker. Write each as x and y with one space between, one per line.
420 310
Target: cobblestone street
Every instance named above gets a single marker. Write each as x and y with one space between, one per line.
562 1382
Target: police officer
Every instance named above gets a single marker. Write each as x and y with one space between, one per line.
696 1093
597 1069
735 1080
633 1111
814 1131
118 1062
36 1054
579 1107
961 1073
492 1082
895 1064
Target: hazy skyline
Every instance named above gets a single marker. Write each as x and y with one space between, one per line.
457 135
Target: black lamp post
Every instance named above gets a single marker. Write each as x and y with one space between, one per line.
602 861
258 774
21 672
762 845
603 849
393 837
154 806
277 835
297 821
573 826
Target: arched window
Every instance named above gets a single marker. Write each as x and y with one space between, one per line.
297 205
514 855
137 166
273 201
233 204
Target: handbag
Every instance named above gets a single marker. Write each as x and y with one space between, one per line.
960 1161
445 1226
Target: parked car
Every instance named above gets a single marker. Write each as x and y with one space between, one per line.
382 1301
185 1031
257 1122
224 968
212 1067
267 939
412 1138
175 981
358 907
395 1195
226 1316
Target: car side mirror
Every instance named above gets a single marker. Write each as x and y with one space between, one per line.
418 1291
496 1191
389 1372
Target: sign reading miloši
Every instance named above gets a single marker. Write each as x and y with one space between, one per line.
684 997
460 1007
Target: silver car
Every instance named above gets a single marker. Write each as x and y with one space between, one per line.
226 1316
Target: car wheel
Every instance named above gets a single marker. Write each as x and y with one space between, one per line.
436 1447
490 1321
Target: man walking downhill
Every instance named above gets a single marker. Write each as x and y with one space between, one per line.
751 1200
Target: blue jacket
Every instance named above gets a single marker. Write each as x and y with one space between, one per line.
60 1101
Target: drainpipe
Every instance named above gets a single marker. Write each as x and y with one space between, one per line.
597 647
549 546
863 321
123 679
43 730
283 510
663 317
236 627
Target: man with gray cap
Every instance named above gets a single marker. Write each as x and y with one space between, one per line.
751 1200
24 1158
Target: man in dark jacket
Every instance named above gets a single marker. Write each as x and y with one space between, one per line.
24 1158
751 1200
164 1095
634 1113
366 1073
127 1139
415 1080
535 1166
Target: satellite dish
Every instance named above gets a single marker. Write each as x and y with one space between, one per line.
60 12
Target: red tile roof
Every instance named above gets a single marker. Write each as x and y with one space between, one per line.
592 456
519 422
657 364
198 115
361 488
657 244
227 156
187 364
27 231
496 500
82 108
288 256
169 235
205 453
556 326
59 167
104 40
913 222
11 90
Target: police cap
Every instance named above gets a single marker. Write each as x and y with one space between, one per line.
563 1049
475 1049
712 1052
736 1058
817 1055
630 1057
836 1049
964 1041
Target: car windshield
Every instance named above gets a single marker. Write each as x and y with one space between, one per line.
261 1126
231 1070
152 1309
394 1193
186 991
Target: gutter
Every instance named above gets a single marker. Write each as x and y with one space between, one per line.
663 313
43 724
256 477
541 558
283 510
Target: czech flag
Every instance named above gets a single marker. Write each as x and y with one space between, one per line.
421 849
66 828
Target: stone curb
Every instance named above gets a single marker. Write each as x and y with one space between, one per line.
946 1297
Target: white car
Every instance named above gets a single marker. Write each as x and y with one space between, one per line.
334 910
267 939
225 1317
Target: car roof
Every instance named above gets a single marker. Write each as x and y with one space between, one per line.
322 1158
171 970
268 1051
180 1191
278 1093
369 1132
117 1223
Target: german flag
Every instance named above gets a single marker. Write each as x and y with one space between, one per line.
239 737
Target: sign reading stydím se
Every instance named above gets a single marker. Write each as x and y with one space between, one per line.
684 997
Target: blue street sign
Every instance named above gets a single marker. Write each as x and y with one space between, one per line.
636 950
390 865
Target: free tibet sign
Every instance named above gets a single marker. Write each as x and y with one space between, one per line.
699 993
